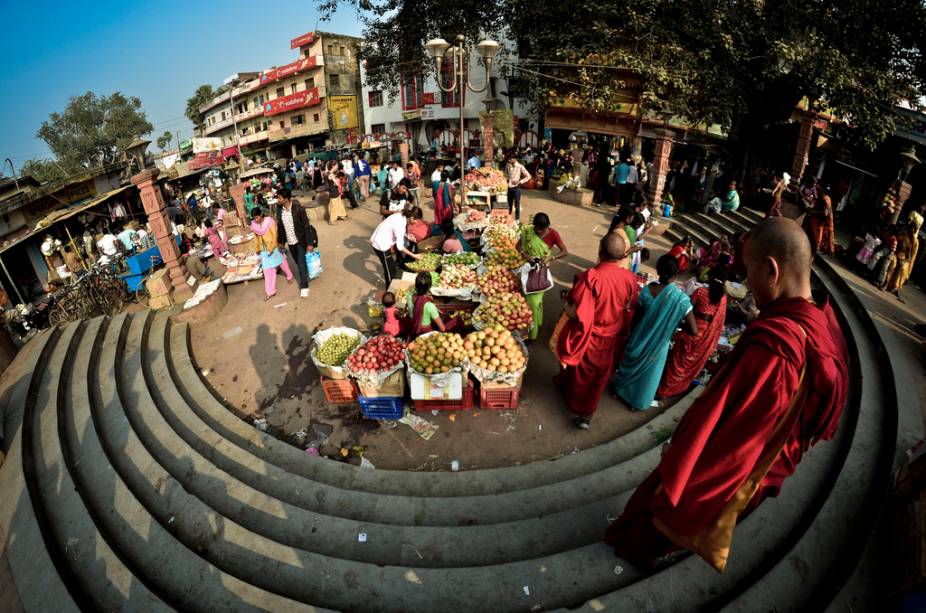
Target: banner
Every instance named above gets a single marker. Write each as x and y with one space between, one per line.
308 97
301 41
204 145
207 159
289 69
343 111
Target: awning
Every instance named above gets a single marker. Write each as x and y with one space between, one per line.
62 214
228 152
260 170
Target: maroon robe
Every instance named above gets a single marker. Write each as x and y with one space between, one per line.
722 436
590 344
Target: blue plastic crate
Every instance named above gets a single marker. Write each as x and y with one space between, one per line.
382 408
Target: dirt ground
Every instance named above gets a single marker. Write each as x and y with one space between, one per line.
255 354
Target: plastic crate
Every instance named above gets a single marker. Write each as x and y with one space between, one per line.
382 408
466 403
339 391
499 397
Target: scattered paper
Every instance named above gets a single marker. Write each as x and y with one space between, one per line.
279 306
618 570
411 577
452 418
362 537
527 590
455 466
365 463
421 426
205 372
232 332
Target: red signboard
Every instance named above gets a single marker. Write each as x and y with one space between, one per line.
206 159
308 97
289 69
302 41
428 98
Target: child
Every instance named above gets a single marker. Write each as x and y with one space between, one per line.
868 249
887 263
391 327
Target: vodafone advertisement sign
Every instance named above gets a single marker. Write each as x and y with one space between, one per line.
298 100
302 41
289 69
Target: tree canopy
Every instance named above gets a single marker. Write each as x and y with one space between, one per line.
163 141
202 95
91 131
743 65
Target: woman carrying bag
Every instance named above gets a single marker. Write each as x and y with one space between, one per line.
270 255
535 275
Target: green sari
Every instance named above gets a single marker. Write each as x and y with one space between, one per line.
534 247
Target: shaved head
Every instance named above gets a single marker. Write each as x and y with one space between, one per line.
613 247
778 259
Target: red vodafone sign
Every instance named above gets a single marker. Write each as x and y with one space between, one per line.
308 97
302 41
289 69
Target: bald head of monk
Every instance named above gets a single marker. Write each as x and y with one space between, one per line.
613 247
778 259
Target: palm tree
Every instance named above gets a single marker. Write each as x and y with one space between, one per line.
202 95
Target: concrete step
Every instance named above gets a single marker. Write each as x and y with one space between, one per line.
744 217
210 410
684 226
719 223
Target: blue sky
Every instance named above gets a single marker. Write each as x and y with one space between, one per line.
157 51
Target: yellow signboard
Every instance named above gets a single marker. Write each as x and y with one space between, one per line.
343 111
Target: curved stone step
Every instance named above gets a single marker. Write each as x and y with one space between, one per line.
804 567
40 574
718 223
467 483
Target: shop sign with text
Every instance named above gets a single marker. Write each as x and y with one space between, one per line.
308 97
289 69
301 41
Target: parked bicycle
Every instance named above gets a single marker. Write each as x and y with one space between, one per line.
98 292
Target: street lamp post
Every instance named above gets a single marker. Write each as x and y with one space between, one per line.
459 54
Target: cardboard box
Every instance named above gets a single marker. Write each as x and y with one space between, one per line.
398 287
160 302
424 388
158 284
393 386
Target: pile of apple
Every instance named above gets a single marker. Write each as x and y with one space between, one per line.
436 353
498 217
474 215
456 276
497 279
495 349
378 354
495 233
505 253
506 309
467 258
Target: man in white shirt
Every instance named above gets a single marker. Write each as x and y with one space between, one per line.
517 176
108 245
395 175
389 237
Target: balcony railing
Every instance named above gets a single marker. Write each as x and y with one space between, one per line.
247 139
257 111
219 125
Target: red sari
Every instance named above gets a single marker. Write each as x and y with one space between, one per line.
690 353
590 345
680 253
819 227
722 436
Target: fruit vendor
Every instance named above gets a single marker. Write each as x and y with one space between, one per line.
423 315
388 238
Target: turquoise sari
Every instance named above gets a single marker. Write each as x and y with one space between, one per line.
645 356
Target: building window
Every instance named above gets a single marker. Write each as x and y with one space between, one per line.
343 51
281 91
335 81
293 88
310 83
330 49
256 103
375 99
412 92
315 117
264 126
282 124
453 98
298 120
378 128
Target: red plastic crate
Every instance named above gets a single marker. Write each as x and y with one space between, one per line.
465 403
339 391
498 397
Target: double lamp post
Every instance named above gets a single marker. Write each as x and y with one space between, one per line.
459 56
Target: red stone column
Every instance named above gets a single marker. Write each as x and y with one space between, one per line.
657 180
403 152
801 150
488 142
154 207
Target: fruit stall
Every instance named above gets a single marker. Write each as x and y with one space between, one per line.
485 188
481 366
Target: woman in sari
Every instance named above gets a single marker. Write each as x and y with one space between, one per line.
682 252
443 201
623 222
908 246
535 250
336 210
663 306
423 316
818 223
690 352
270 255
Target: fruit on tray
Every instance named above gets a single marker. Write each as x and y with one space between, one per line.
457 276
498 279
377 354
429 262
505 253
473 215
506 309
486 180
465 316
495 233
495 349
436 353
335 350
467 258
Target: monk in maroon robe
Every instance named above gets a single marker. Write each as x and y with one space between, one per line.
600 307
786 380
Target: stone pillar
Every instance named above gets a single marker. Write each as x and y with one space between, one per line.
801 150
488 143
903 193
237 195
657 179
403 152
636 149
154 207
292 148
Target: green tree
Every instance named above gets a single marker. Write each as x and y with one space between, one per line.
92 130
163 141
202 95
44 171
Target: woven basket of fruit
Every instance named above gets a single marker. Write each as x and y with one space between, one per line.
330 350
428 262
376 360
